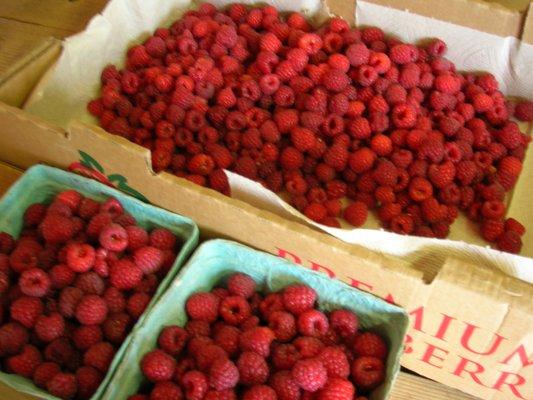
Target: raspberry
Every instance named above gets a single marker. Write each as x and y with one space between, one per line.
203 306
148 259
310 375
116 327
369 344
34 214
137 237
157 366
253 369
385 173
513 225
44 373
420 189
80 257
298 298
172 340
303 139
68 300
87 335
56 228
494 209
13 337
6 243
97 223
90 283
61 276
137 303
49 328
163 239
368 372
34 282
195 385
442 174
25 363
228 339
337 389
61 352
316 212
491 230
335 80
312 323
113 237
356 213
257 340
166 391
89 380
125 275
260 392
91 310
358 54
63 385
284 386
282 324
362 160
524 111
71 198
510 242
240 284
403 54
26 310
223 374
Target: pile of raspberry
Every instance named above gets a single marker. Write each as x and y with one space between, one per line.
322 114
238 344
72 287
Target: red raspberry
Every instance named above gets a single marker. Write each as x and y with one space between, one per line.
240 284
89 380
420 189
166 391
6 243
223 374
90 283
61 352
291 159
284 356
56 228
257 340
253 369
228 338
163 239
148 259
313 323
335 362
44 373
172 340
125 275
61 276
68 301
284 386
195 385
71 198
26 310
447 84
316 212
206 355
513 225
310 375
298 298
22 259
34 282
197 328
91 310
25 363
491 230
260 392
510 242
493 209
34 214
221 395
203 306
86 336
335 80
157 366
116 327
403 54
303 139
63 385
113 237
362 160
137 304
524 111
49 328
13 337
137 237
115 300
80 257
282 324
358 54
97 223
368 373
344 322
337 389
356 213
369 344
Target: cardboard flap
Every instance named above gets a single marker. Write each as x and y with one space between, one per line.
527 32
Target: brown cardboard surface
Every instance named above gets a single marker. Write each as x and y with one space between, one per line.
527 32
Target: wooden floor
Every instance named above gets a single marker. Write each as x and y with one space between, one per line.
24 25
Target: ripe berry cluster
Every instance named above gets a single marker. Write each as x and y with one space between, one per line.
238 344
71 288
324 114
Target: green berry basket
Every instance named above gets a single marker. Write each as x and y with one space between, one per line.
215 260
39 184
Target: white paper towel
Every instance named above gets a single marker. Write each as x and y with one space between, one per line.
63 95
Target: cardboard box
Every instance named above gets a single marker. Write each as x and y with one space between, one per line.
470 325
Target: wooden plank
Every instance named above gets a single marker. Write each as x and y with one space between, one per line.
413 387
19 38
8 175
71 15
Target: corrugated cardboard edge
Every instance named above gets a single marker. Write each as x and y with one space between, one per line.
20 79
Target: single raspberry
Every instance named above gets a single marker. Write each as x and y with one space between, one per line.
510 242
283 325
166 391
158 366
234 310
172 340
223 374
13 337
137 304
335 361
86 336
80 257
34 214
61 276
115 300
56 228
125 275
356 213
362 160
513 225
25 363
370 344
71 198
116 327
285 386
163 239
6 243
312 323
197 328
34 282
260 392
491 230
49 328
205 353
298 298
367 373
494 209
358 54
137 237
26 310
240 284
195 384
113 237
308 346
253 369
44 373
524 111
203 306
148 259
61 352
337 389
344 322
257 340
68 301
284 356
89 380
90 283
91 310
63 385
316 212
228 339
310 374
